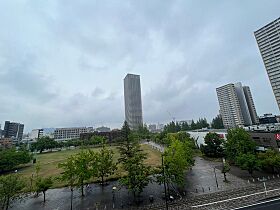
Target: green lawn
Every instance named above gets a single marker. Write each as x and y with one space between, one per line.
49 163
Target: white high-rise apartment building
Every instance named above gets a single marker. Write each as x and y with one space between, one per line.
133 101
236 105
268 39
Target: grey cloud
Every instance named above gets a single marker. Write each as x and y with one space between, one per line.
72 57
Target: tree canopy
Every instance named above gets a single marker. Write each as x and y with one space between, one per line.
214 145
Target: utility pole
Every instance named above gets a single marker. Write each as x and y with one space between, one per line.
164 181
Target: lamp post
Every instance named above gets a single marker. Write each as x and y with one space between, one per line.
164 182
113 192
216 177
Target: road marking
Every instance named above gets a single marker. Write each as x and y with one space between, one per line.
255 204
230 199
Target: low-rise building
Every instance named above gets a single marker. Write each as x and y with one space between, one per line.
110 136
266 140
6 142
36 134
69 133
268 119
199 135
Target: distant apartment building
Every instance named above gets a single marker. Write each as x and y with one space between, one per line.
13 130
36 134
236 105
70 133
268 40
133 101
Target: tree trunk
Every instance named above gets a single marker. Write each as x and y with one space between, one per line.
82 189
71 198
225 176
102 180
44 192
8 203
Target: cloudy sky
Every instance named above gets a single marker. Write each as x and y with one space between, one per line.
62 62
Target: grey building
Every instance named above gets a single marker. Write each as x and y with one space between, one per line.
236 105
251 105
268 39
133 101
13 130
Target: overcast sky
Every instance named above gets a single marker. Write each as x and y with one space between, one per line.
62 62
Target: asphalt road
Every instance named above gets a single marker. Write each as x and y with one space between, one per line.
272 205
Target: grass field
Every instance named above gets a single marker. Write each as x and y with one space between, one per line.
49 163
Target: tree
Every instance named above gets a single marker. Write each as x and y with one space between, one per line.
69 174
132 159
11 187
83 165
217 122
178 158
143 132
238 142
44 143
10 158
185 126
225 169
105 163
214 145
248 162
42 185
270 159
95 140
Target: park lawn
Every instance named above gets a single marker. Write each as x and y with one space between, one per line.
49 163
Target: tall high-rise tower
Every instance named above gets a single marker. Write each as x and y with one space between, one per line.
268 39
132 101
236 105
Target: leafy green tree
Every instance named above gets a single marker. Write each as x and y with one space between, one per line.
11 187
238 142
143 132
178 158
225 169
42 185
105 163
217 122
44 143
193 125
185 126
248 162
96 140
270 159
132 159
83 165
214 145
69 174
10 158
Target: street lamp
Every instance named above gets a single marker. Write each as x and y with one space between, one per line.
113 192
216 177
164 181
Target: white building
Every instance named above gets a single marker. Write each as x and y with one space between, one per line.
70 133
199 135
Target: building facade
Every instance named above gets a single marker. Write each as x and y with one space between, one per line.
69 133
268 40
13 130
36 134
133 101
236 105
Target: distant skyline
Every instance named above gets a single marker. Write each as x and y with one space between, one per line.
62 63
